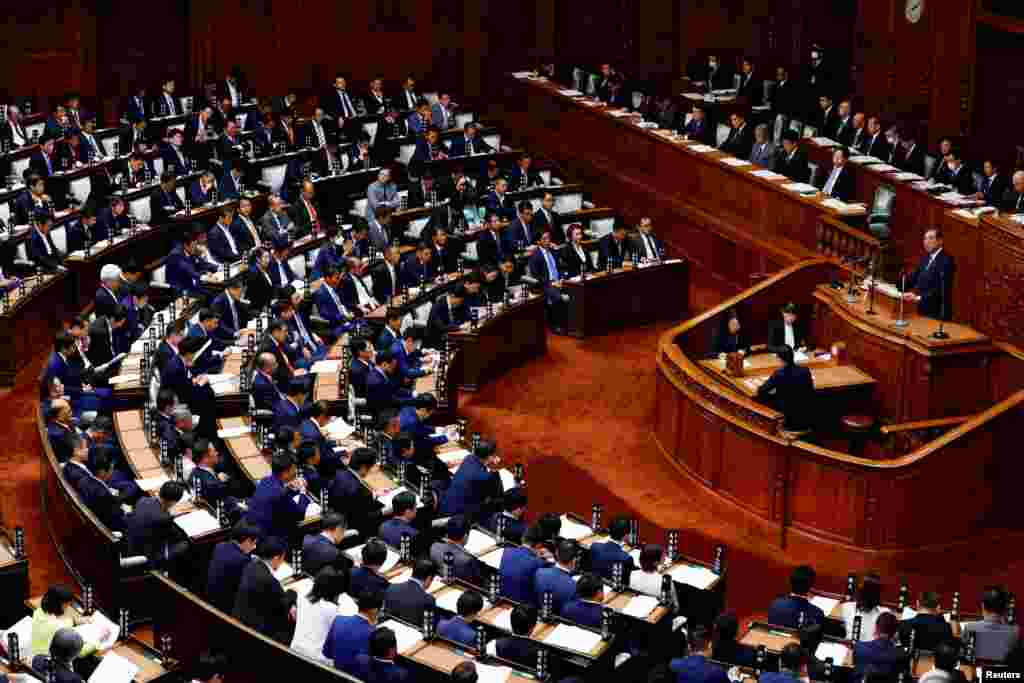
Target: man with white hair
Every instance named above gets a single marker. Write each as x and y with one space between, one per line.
276 220
106 295
1013 200
381 192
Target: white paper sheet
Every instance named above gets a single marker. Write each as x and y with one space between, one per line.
407 636
640 606
826 604
114 668
406 574
478 542
233 432
702 149
837 651
485 673
825 142
570 93
865 159
696 576
93 632
493 558
508 480
356 554
803 188
197 523
733 161
504 620
573 638
766 174
325 366
152 483
453 456
449 599
573 530
388 498
313 510
339 429
24 630
301 587
285 571
127 378
907 176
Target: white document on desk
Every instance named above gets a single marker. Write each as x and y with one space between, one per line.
284 572
454 456
693 575
837 651
114 668
766 174
504 620
93 632
233 432
197 523
802 188
152 483
570 93
825 604
573 530
478 542
573 638
640 606
703 149
356 555
508 480
485 673
733 161
407 636
338 429
493 558
325 366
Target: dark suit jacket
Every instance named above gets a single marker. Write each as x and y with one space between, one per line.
929 630
752 88
608 248
696 669
383 289
881 655
554 580
571 263
877 146
372 670
363 579
994 188
735 653
318 552
843 188
489 249
502 205
38 254
262 603
740 142
604 556
582 612
913 162
796 169
350 497
150 529
542 224
927 282
104 342
471 488
785 98
786 610
273 509
408 600
440 321
459 148
220 247
962 181
826 122
793 390
163 205
104 504
515 233
777 333
225 574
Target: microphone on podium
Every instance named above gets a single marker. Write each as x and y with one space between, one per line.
941 332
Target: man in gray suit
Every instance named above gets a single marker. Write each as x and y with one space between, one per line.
466 566
381 192
995 637
442 114
763 151
276 220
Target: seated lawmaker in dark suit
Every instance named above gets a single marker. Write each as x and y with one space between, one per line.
367 577
875 145
613 249
272 507
220 241
788 330
786 610
791 388
489 247
446 314
696 668
960 176
465 566
350 495
547 219
150 529
41 249
475 489
518 648
557 579
839 184
523 176
230 185
379 665
741 137
751 85
1013 198
321 550
932 281
605 555
881 655
99 496
930 628
585 609
520 233
994 184
513 509
230 558
792 662
164 202
470 142
458 629
106 339
729 336
792 162
724 646
574 258
349 636
499 201
408 600
699 128
646 244
262 604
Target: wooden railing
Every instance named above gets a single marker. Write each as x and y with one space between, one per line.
908 436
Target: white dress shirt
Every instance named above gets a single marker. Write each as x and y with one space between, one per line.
790 335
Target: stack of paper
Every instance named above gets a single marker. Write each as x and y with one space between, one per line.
693 575
125 379
448 600
766 174
503 620
197 523
884 168
733 161
485 673
153 483
522 74
356 555
573 638
825 604
407 636
302 586
339 429
802 188
837 651
703 149
478 542
570 93
493 558
114 668
906 176
693 96
233 432
621 112
573 530
313 510
865 159
640 606
453 456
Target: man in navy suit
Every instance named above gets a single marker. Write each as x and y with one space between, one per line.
520 648
419 268
514 509
317 415
698 128
470 142
994 184
401 523
786 610
447 314
385 388
106 299
613 248
111 221
464 565
408 600
586 608
605 555
350 495
349 636
489 247
543 266
281 273
379 666
231 312
150 529
321 550
412 420
405 349
164 202
499 201
791 665
41 249
367 576
230 558
173 154
792 161
359 370
220 241
791 389
329 304
262 604
930 628
546 219
211 360
273 507
695 668
288 411
208 483
520 233
881 655
476 484
519 566
741 137
265 392
932 281
646 244
458 629
180 268
557 580
522 176
99 497
839 184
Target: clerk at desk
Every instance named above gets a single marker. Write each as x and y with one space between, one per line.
931 284
790 389
789 331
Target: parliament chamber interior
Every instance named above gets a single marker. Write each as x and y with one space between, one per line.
485 341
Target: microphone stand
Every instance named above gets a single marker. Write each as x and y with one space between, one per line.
941 332
871 289
851 296
901 322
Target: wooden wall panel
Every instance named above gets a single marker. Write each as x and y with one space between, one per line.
748 464
827 499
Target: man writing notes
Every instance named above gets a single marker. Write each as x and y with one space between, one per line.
932 281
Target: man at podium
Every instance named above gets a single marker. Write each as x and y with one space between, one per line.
931 284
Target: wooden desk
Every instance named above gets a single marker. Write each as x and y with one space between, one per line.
630 296
516 334
827 375
29 321
14 577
